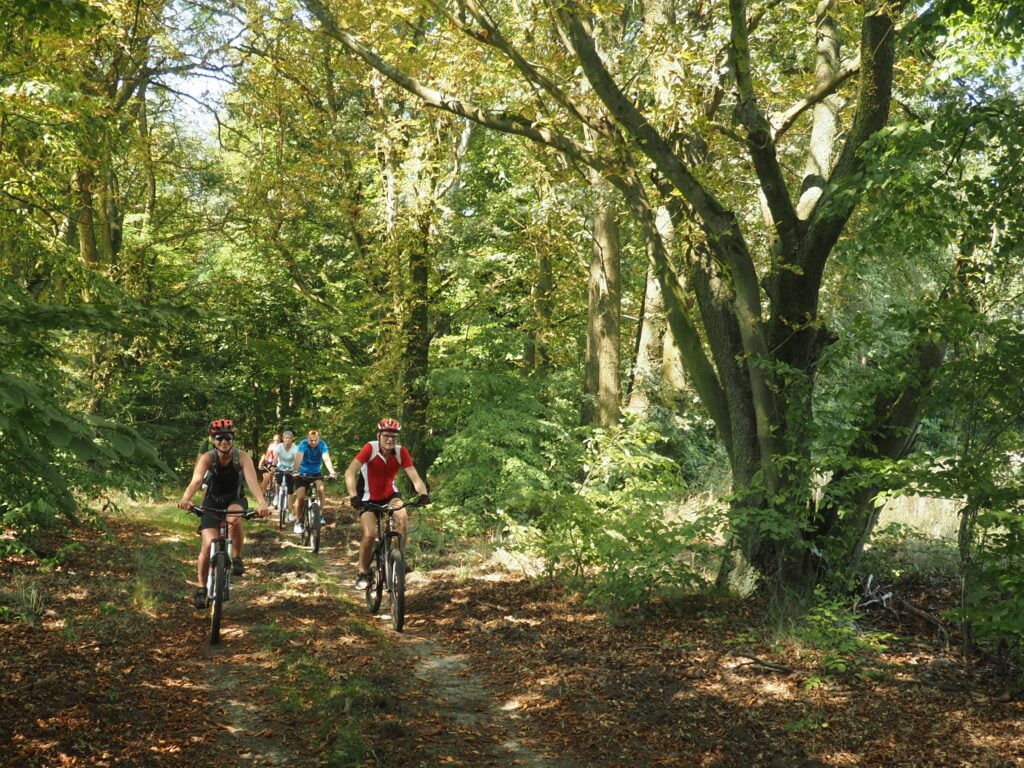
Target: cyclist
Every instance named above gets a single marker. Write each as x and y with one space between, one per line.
284 461
312 452
371 477
268 461
222 471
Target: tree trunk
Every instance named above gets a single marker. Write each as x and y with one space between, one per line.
82 184
651 367
417 340
536 358
601 401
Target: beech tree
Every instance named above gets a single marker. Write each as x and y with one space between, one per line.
755 127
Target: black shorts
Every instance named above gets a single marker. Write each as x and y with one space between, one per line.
381 502
210 520
305 481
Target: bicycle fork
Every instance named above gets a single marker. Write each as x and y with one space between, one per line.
217 552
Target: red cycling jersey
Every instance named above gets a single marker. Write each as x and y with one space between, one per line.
378 472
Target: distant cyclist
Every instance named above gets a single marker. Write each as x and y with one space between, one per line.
311 454
371 477
267 463
222 470
284 461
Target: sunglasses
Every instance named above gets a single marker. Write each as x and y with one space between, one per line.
219 438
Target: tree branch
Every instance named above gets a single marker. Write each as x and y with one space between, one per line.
504 122
759 141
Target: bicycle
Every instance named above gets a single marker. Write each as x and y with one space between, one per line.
310 514
271 491
387 562
280 500
218 578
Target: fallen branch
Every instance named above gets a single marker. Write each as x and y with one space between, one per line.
927 617
769 665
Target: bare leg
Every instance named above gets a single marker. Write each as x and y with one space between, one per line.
369 524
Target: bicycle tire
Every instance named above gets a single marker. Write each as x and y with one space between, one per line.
217 598
375 589
396 588
282 507
313 521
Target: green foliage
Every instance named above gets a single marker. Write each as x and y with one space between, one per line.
610 534
506 451
830 628
52 448
994 602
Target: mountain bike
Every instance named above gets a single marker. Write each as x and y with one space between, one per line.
311 515
281 496
218 578
271 492
387 563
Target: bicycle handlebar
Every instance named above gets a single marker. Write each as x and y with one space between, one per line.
372 507
199 511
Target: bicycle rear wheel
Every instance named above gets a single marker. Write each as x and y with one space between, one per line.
396 588
220 578
313 524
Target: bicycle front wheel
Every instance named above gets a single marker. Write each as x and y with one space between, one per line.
313 522
220 580
375 589
282 507
396 588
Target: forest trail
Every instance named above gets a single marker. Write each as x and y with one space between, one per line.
492 670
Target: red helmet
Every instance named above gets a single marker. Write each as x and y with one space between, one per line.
389 425
218 426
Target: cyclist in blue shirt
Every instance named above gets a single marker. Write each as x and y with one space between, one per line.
312 453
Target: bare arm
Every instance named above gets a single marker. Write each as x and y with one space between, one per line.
330 465
416 480
198 472
298 462
351 475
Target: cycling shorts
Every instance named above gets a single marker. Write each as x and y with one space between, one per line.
380 502
305 481
210 520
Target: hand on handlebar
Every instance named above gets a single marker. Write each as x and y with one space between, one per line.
423 500
356 502
332 476
186 505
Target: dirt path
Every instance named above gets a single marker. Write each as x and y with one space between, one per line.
110 667
445 700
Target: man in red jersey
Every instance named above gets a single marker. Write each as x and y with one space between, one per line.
371 477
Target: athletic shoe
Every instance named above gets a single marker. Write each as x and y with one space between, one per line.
237 568
362 581
199 600
297 528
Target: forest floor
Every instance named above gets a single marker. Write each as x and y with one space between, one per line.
106 663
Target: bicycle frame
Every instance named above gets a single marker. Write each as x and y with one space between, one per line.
281 497
387 563
218 574
310 512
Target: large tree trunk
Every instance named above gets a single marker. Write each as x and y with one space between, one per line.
602 379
